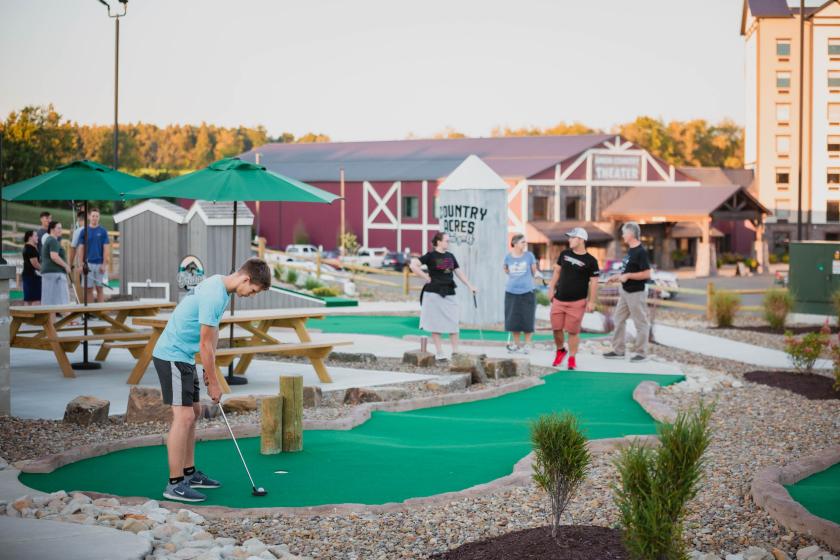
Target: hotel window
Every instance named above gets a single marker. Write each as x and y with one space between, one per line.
411 207
834 78
782 209
783 145
783 47
783 79
833 178
782 178
834 113
539 208
832 211
783 112
834 47
833 146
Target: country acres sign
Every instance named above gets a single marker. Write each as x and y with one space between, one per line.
616 168
459 221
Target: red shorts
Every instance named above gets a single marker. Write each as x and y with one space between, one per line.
567 315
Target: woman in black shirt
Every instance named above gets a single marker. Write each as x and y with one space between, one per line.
31 266
438 308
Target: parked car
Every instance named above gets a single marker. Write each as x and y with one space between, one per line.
397 261
301 251
367 256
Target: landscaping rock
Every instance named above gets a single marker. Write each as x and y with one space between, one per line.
419 358
312 397
523 366
779 554
497 368
358 395
756 553
86 410
353 358
145 404
449 383
209 410
808 553
469 363
247 403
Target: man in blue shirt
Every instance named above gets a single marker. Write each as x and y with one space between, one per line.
95 246
194 328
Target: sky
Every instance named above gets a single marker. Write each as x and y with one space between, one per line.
376 69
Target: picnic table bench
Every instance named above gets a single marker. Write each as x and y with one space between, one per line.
33 327
258 341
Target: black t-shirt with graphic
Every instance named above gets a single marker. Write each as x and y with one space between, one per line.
575 273
441 270
29 252
636 260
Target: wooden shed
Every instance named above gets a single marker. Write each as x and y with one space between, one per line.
153 240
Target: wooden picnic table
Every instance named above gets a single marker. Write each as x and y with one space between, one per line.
33 327
257 341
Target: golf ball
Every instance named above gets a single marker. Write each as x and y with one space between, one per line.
260 489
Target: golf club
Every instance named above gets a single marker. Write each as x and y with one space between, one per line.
255 491
480 330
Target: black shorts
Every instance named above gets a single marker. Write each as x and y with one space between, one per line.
178 382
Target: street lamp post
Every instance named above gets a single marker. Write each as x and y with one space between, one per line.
116 16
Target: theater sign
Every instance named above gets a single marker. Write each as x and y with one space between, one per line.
607 167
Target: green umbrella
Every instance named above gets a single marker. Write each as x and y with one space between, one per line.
234 180
77 180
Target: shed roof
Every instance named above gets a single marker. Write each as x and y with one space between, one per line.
556 231
414 160
674 202
220 213
157 206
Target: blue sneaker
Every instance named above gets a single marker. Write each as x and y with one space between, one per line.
183 493
201 480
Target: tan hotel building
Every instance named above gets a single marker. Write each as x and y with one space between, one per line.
771 137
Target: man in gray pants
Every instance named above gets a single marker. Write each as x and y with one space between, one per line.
632 296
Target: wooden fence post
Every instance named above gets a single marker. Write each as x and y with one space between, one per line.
291 388
318 265
406 280
271 425
710 294
261 247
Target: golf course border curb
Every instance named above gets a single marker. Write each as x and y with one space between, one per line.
520 476
769 493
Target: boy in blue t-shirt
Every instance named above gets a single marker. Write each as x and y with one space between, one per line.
194 328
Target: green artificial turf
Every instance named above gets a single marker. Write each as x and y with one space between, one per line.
392 457
400 326
820 493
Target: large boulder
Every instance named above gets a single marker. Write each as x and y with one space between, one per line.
419 358
469 363
145 404
312 397
86 410
500 367
244 403
358 395
449 383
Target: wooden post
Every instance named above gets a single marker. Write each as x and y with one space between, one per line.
271 425
406 280
710 294
291 388
318 264
261 247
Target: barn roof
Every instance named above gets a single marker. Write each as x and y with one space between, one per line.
414 160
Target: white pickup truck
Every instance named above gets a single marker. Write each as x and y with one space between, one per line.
367 256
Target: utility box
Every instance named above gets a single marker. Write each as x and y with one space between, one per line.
814 275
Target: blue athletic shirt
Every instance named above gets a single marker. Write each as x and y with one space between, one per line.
97 238
520 280
180 339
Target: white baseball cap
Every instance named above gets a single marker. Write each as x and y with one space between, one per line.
578 232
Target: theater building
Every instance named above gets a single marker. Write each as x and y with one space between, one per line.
555 183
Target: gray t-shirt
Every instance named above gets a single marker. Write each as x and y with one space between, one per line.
51 245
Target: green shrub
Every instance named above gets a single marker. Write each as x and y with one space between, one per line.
291 276
312 283
777 304
561 460
724 306
278 271
325 291
786 258
835 358
349 242
543 298
656 485
773 258
804 351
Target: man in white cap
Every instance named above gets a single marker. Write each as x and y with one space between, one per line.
574 290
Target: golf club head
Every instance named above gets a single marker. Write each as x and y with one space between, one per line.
259 491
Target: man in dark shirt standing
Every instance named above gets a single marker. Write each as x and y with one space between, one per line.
632 296
574 289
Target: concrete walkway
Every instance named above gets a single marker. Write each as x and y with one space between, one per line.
42 539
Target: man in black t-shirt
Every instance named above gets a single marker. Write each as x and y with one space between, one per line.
632 296
575 277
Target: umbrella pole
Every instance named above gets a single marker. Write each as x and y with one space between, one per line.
231 380
85 363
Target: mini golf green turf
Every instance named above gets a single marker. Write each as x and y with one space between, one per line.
820 493
400 326
392 457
